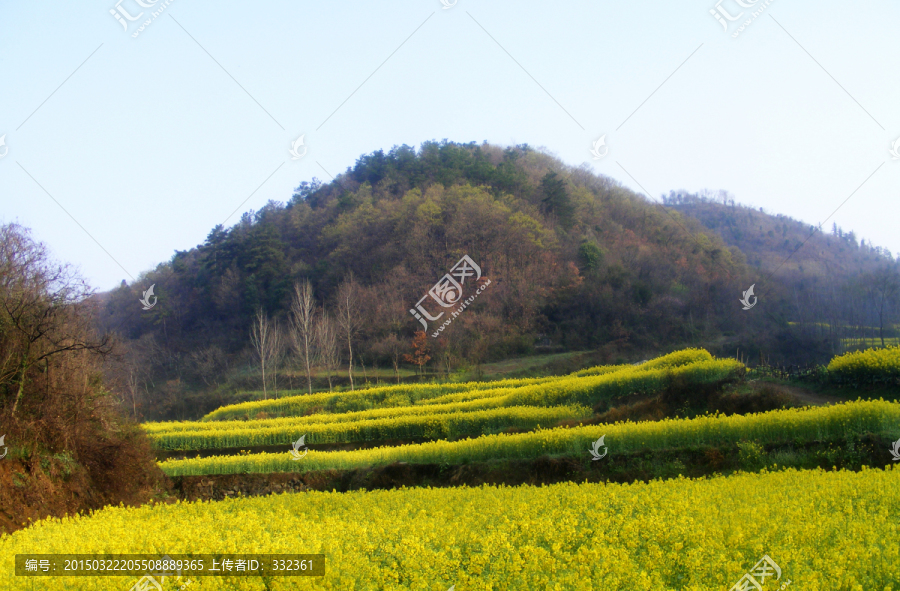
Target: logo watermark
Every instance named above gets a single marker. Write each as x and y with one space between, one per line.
298 143
447 292
746 299
5 449
895 149
150 582
3 144
447 4
756 578
297 445
146 299
595 449
124 16
725 17
601 142
895 450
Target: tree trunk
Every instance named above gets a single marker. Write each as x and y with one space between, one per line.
350 364
23 370
308 371
263 366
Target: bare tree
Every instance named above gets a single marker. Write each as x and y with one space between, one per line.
210 363
349 317
264 339
44 313
326 341
277 348
390 346
302 325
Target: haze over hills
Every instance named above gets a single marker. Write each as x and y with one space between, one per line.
576 262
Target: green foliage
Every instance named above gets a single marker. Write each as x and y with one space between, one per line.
555 198
751 454
590 255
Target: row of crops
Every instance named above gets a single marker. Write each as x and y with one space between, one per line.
357 400
824 530
393 396
829 423
447 412
873 366
451 415
433 426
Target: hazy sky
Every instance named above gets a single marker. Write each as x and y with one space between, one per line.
149 141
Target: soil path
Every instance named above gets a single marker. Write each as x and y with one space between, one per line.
809 397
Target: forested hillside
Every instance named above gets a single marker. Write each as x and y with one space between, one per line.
575 262
835 289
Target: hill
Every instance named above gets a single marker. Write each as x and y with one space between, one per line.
575 262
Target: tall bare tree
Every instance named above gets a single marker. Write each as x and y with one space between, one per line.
327 350
210 364
44 313
349 317
302 325
391 347
265 343
277 352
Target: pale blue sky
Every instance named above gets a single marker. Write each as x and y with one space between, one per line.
148 143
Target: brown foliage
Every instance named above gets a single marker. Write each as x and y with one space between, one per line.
420 348
64 437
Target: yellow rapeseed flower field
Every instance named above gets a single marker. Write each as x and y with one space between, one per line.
834 531
402 395
865 367
472 412
357 400
157 428
446 425
790 425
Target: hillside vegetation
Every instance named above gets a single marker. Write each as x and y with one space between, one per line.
575 262
65 446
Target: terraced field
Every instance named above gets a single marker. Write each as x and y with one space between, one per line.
824 528
434 411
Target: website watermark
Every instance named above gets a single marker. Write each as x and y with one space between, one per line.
895 149
448 293
125 17
149 583
295 452
295 152
595 449
756 578
595 150
726 17
155 580
146 298
746 299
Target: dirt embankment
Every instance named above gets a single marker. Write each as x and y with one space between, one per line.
639 466
36 483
